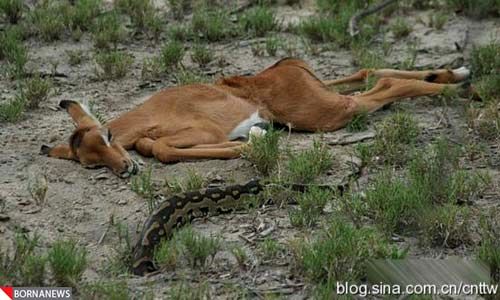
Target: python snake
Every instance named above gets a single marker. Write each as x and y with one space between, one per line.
179 209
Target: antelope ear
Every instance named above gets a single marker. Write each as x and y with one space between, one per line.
80 113
61 151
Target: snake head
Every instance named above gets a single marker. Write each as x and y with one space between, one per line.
143 266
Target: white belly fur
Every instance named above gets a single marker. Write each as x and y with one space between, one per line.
241 131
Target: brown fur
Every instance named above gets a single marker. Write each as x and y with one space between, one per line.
194 121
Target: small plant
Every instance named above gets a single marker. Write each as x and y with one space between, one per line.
365 152
172 54
197 248
111 290
258 49
367 58
107 31
446 226
48 20
96 112
12 9
358 123
32 271
167 254
24 266
475 9
68 261
241 256
395 135
324 29
152 68
192 182
270 248
488 88
154 26
183 291
121 261
75 57
394 205
305 166
202 55
180 33
331 26
311 205
13 50
489 249
81 15
112 65
37 187
338 253
12 110
212 25
435 175
259 21
36 90
263 151
139 11
272 45
179 8
434 178
485 60
400 28
142 184
438 20
185 76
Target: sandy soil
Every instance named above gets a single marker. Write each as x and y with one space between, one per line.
80 202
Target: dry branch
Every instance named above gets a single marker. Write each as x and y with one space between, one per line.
353 23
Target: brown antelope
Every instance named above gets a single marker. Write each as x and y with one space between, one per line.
203 121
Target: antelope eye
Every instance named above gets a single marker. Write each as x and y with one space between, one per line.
110 136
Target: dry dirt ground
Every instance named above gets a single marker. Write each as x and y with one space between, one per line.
80 202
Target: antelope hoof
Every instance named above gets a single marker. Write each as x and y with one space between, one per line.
461 73
44 150
66 103
132 169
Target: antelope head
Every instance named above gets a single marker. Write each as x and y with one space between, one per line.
92 144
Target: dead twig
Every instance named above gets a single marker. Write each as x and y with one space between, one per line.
353 23
352 139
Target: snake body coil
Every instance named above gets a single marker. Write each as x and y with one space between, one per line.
178 209
181 208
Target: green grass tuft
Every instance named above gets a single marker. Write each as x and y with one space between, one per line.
68 261
107 31
358 123
396 136
199 250
310 207
12 9
12 110
172 54
112 65
36 90
400 28
305 166
489 248
212 24
142 184
338 253
112 290
263 151
259 20
446 226
202 55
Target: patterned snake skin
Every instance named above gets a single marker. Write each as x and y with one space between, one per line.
182 208
179 209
